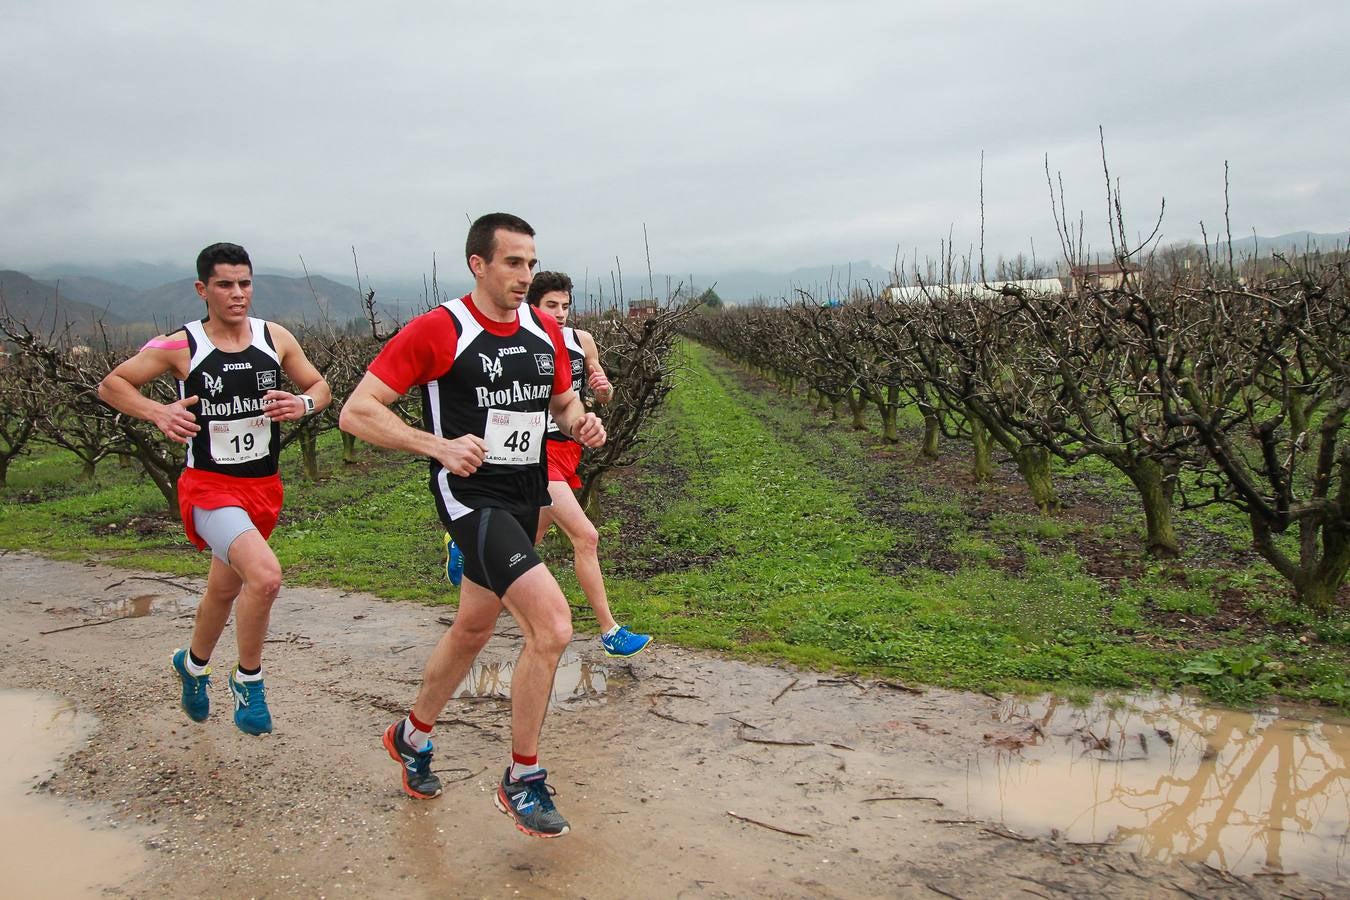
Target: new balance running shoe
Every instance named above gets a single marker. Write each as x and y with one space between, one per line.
250 705
529 802
196 703
418 781
624 642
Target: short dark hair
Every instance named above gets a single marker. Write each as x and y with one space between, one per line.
482 240
547 283
216 254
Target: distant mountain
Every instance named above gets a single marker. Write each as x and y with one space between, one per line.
94 291
1294 240
39 306
743 285
275 297
138 275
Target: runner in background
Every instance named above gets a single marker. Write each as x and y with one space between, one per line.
551 294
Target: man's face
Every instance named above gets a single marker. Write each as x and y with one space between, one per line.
556 304
504 281
228 292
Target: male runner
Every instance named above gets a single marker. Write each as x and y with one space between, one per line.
551 294
228 413
490 372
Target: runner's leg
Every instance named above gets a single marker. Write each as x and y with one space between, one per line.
222 586
453 656
260 573
571 518
540 609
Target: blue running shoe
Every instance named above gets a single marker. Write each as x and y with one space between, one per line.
418 780
624 643
529 802
454 561
196 703
250 705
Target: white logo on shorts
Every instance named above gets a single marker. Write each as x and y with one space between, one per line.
515 560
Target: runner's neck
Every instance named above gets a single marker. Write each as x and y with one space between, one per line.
229 337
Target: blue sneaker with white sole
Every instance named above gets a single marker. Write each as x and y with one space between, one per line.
196 702
250 705
624 642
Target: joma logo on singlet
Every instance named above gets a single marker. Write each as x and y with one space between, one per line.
231 408
235 367
514 394
510 351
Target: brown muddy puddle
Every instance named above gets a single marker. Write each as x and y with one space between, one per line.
103 612
576 684
38 833
1165 777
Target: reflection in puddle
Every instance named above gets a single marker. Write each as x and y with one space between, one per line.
577 683
39 730
134 607
1168 778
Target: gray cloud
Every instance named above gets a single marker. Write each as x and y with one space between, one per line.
745 135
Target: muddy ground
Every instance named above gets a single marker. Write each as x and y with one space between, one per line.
695 776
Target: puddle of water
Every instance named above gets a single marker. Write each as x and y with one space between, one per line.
40 729
577 682
1169 778
135 607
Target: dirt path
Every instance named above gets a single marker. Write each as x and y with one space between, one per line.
658 780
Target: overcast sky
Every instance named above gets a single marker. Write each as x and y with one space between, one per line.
765 135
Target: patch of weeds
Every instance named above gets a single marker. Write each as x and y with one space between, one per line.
1235 675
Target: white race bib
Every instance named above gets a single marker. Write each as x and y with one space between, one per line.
241 440
513 438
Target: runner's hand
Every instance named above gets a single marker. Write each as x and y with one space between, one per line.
463 455
280 406
176 422
601 386
589 431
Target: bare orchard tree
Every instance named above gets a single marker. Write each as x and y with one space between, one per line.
1084 387
20 409
638 355
75 378
65 421
1261 372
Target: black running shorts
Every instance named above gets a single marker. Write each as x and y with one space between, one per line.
498 546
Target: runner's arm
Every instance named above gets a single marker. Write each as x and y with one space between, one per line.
574 421
366 415
595 373
284 406
121 388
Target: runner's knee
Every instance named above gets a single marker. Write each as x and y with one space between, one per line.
587 540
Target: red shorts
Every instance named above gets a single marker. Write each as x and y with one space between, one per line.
563 457
259 497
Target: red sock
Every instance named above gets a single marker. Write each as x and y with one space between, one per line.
419 724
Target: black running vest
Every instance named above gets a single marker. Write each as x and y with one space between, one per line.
577 357
497 387
235 437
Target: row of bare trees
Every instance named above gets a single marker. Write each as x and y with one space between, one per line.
1241 383
49 394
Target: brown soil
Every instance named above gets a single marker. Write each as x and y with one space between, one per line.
697 776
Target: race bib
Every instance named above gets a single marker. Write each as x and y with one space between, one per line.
513 438
241 440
